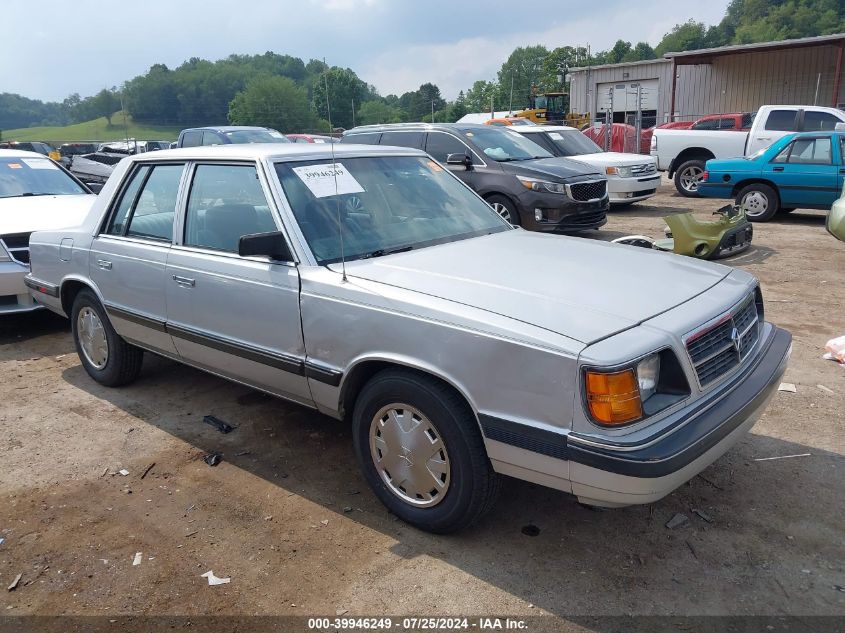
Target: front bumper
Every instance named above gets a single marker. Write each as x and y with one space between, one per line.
634 474
560 213
14 295
625 190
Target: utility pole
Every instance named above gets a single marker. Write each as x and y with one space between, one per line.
353 111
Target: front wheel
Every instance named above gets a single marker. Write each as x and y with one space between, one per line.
760 202
421 451
106 357
688 177
505 208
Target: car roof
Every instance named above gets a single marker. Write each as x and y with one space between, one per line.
398 127
258 151
534 129
226 128
19 153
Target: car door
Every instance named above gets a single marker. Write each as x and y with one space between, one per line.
235 316
805 172
128 257
778 123
440 144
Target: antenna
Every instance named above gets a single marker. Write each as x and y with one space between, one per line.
334 173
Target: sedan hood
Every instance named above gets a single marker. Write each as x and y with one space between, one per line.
43 213
558 168
616 159
579 288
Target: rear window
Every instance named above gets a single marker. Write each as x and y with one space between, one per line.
403 139
781 120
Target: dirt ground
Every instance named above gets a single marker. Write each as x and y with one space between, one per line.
289 519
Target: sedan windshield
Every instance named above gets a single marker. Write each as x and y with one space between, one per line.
35 177
384 205
256 136
572 143
505 145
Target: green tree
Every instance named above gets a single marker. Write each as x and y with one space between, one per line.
373 112
522 70
275 102
344 89
562 59
641 51
688 36
104 103
478 97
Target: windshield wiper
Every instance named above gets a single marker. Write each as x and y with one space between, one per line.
33 193
389 251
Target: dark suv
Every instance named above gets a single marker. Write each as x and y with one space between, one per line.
523 182
228 134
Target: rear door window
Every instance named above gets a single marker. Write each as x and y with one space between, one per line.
211 138
820 121
154 205
403 139
781 120
192 138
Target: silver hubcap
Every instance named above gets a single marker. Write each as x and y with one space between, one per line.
690 178
502 210
755 204
92 338
409 455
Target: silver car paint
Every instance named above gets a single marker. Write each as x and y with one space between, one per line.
512 353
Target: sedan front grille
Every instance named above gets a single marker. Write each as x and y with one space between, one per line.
643 170
716 350
17 245
588 191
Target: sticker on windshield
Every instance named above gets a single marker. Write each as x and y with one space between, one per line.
434 166
556 136
39 163
328 179
15 166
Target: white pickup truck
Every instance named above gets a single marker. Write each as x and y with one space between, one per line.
683 152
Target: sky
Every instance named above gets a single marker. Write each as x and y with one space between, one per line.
53 48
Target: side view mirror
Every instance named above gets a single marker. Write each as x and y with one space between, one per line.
272 245
459 159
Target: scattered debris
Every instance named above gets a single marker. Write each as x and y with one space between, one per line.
345 509
835 350
530 530
2 540
15 582
217 423
839 588
341 611
192 533
703 515
826 389
677 521
212 459
766 459
147 470
214 580
353 492
325 521
241 453
788 387
806 571
691 549
138 558
105 471
123 472
268 518
716 486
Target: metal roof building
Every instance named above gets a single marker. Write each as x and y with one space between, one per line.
737 78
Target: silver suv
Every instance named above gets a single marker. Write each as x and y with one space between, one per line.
370 284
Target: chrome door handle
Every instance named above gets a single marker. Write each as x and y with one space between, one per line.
184 281
104 264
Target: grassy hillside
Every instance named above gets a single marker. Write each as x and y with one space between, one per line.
96 130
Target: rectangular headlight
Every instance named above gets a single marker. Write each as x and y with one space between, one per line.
542 185
648 375
613 398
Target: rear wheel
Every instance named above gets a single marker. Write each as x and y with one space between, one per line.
421 451
759 201
106 357
688 177
505 208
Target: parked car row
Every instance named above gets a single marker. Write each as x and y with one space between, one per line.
376 285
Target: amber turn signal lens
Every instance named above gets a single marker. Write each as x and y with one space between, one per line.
614 398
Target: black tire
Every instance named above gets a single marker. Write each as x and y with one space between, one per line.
762 202
473 485
685 171
513 214
123 363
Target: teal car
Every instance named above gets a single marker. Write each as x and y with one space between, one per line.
804 170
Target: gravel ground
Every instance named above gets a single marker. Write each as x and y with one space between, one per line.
288 518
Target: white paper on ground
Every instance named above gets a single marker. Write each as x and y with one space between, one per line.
214 580
328 179
137 559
